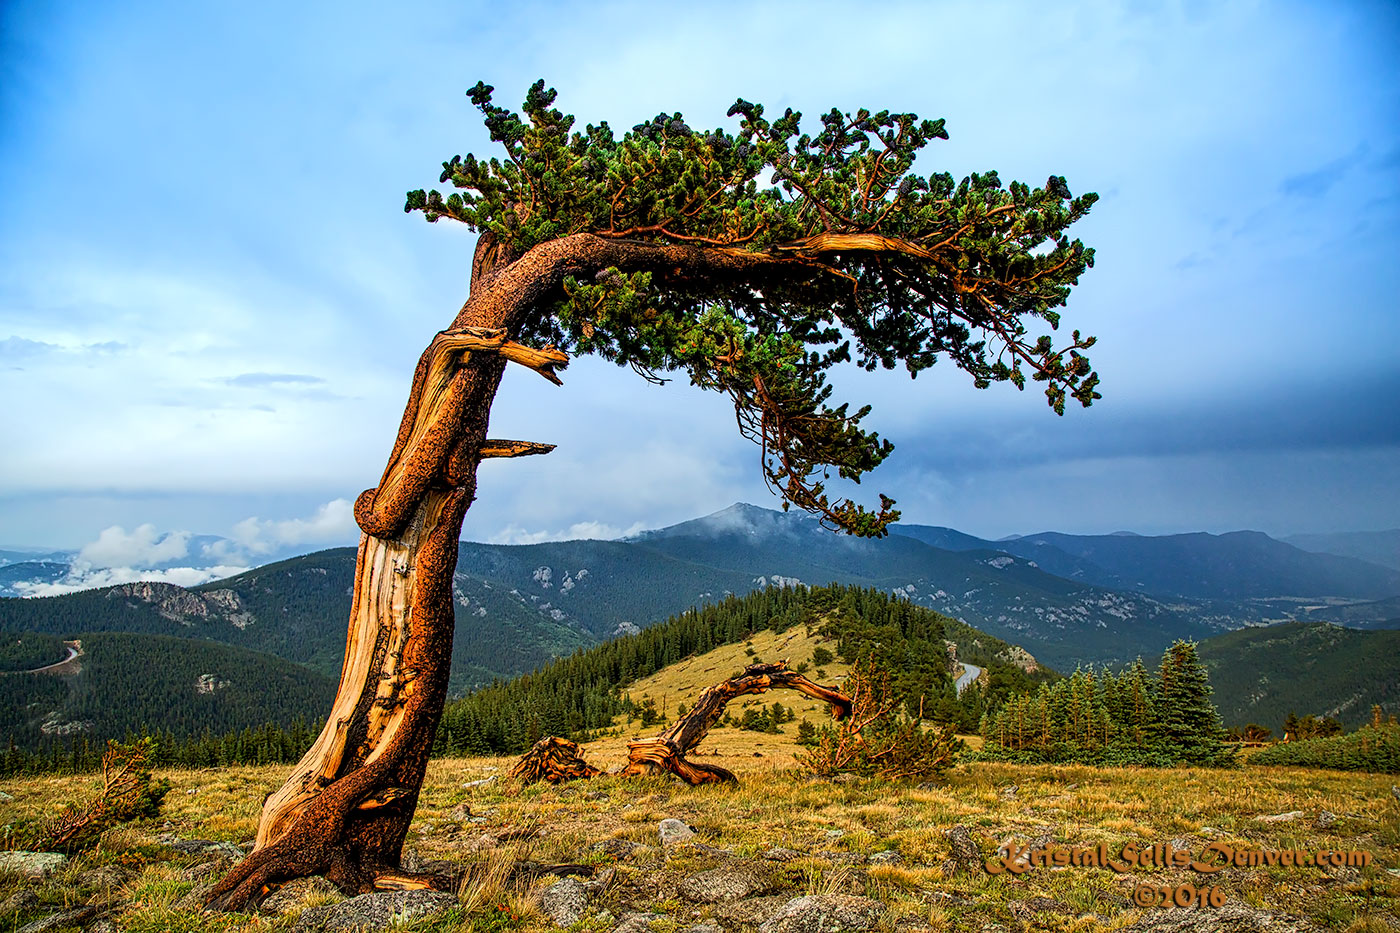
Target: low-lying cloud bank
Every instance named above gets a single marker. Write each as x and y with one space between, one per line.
145 554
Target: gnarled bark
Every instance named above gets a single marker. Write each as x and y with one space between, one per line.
555 760
346 808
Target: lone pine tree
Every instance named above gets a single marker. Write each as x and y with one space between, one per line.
751 261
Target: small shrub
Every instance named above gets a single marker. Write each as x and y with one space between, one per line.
129 792
877 739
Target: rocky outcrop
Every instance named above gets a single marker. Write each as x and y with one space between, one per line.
186 606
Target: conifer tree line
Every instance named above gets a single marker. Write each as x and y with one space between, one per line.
1132 717
270 743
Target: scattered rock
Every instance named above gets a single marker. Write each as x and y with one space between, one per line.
481 783
703 928
1024 910
1232 918
21 900
617 848
1023 850
1325 819
102 926
205 869
201 846
33 865
105 877
293 895
964 855
835 833
565 901
845 777
1395 791
194 898
751 912
1288 817
1071 785
1181 844
4 797
373 911
596 795
1008 792
460 813
73 917
721 884
825 913
780 854
637 923
674 831
890 857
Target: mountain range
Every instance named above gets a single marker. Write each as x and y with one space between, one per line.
1067 599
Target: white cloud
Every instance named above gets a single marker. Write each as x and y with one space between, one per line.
87 578
143 547
596 531
333 523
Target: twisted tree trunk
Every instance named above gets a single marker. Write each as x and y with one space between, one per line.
556 760
346 808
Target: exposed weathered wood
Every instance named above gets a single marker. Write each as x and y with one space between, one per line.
554 759
500 448
345 810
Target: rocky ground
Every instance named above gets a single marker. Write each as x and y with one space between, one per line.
783 853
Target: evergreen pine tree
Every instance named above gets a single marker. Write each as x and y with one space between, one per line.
1190 726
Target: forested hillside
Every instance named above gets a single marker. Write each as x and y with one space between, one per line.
131 683
582 693
1260 675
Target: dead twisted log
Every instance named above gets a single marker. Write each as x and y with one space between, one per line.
557 760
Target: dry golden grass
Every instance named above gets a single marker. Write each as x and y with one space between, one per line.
829 823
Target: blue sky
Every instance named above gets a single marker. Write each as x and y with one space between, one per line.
211 301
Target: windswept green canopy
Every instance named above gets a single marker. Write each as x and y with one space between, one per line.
755 261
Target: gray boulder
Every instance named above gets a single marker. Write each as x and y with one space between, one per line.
673 831
565 901
32 865
963 852
373 911
825 913
721 884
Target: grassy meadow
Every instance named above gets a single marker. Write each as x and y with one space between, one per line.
830 828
